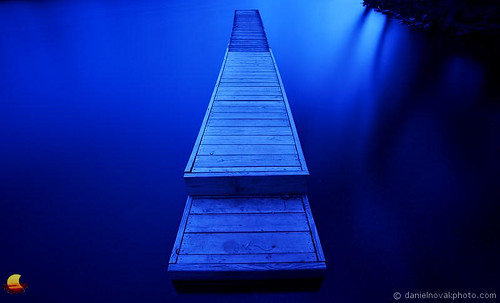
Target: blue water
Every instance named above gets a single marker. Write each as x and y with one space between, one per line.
100 104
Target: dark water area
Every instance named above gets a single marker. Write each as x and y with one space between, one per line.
101 102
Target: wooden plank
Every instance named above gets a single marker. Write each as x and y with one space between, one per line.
243 75
248 98
290 117
210 223
249 68
248 49
236 33
250 88
254 115
248 37
249 42
238 170
248 258
249 109
249 103
180 232
248 140
247 149
248 122
249 54
246 84
273 91
249 79
248 131
243 56
216 205
239 67
314 231
236 55
244 181
243 38
247 271
252 62
269 71
241 70
234 63
251 175
246 160
247 243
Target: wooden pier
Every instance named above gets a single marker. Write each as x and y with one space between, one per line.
247 215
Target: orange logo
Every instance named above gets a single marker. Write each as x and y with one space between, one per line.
13 286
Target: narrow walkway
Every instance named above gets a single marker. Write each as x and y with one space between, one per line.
247 215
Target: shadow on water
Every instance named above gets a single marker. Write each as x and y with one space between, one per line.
248 286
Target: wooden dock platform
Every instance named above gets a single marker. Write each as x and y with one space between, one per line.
247 215
247 143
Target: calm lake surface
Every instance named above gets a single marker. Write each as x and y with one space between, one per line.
101 102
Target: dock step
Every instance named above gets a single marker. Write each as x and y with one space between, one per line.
247 237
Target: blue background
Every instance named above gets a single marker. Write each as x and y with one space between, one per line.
101 102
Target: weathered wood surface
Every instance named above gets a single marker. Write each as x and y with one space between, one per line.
248 126
246 233
247 215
